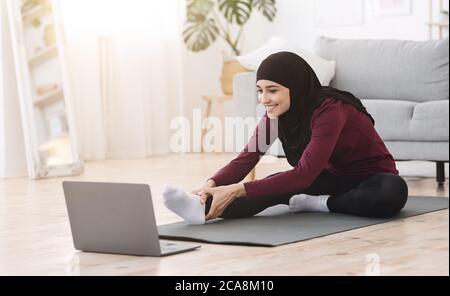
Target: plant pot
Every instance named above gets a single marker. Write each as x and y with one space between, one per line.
229 69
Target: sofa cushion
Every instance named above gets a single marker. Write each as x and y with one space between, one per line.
410 121
430 121
401 150
389 69
392 118
324 69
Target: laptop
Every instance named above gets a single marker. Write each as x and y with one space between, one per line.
116 218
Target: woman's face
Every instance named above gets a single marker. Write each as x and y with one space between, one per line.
275 97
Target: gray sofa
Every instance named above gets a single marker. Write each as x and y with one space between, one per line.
403 84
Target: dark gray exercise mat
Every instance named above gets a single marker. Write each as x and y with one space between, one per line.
278 226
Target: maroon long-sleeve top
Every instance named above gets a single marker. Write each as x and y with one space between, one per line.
343 142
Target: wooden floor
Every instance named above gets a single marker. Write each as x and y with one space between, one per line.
35 234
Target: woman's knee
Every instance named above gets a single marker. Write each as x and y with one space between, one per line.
390 196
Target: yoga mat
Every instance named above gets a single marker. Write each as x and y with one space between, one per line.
278 226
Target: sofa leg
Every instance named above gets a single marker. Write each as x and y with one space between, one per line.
440 172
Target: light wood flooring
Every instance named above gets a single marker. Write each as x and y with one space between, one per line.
35 236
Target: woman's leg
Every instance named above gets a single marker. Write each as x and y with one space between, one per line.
381 195
243 207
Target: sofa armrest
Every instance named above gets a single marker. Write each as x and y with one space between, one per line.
245 98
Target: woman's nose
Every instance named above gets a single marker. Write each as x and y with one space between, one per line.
263 99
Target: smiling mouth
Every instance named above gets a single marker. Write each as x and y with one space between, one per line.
270 107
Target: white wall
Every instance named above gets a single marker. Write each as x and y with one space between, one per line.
2 122
141 93
295 21
201 71
12 151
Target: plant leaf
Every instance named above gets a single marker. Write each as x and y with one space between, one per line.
198 10
35 22
266 7
199 36
236 11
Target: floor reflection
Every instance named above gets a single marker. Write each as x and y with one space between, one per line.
89 264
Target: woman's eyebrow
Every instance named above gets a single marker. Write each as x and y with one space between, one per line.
269 86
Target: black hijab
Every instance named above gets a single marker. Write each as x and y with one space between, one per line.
306 95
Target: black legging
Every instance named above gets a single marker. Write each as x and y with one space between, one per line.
380 195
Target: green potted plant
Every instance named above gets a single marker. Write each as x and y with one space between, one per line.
208 20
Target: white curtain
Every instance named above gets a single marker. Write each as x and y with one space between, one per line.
125 64
12 150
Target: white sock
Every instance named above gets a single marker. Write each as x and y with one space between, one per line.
309 203
186 205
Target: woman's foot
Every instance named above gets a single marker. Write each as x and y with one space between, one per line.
309 203
185 205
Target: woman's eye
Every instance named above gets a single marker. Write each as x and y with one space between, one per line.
270 91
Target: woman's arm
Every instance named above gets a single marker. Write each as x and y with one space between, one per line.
326 126
238 168
223 197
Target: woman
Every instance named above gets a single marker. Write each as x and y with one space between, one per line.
340 163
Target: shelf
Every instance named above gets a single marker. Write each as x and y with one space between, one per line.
50 143
49 99
38 11
43 56
438 24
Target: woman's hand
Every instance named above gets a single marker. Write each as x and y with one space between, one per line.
223 196
201 191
